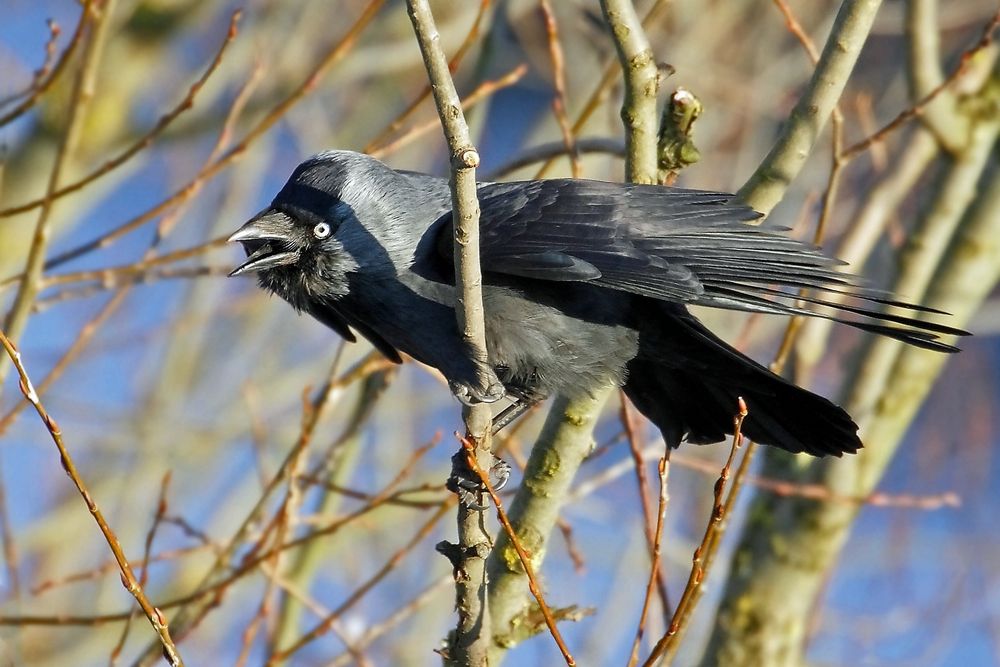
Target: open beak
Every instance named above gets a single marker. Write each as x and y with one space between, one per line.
269 241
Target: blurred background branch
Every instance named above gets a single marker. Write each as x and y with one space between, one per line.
306 488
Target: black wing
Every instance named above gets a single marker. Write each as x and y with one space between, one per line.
671 244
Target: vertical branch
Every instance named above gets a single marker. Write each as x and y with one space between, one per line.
926 75
564 442
83 93
566 437
768 183
473 633
788 547
642 82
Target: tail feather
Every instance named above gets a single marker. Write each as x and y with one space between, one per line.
687 382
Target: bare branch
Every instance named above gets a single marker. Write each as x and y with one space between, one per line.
129 580
767 185
472 635
642 82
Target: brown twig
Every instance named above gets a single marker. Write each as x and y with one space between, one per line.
11 554
482 92
649 521
216 590
332 56
39 76
797 31
39 88
109 566
161 510
608 78
654 569
781 487
145 140
696 576
214 583
79 103
132 585
376 630
522 554
984 41
282 522
554 149
86 334
767 185
382 138
324 626
559 85
109 273
837 164
90 329
117 278
572 550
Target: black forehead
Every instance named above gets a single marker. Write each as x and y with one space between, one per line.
312 191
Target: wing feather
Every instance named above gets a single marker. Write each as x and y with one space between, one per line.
686 246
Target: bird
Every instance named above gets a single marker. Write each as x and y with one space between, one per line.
586 285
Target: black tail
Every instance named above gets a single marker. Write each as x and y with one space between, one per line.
687 381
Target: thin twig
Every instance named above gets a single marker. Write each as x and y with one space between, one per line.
770 180
78 106
400 614
161 511
324 625
536 590
38 78
40 87
654 569
697 574
482 92
649 521
600 91
554 149
11 554
984 41
132 585
145 140
383 137
559 86
213 583
89 330
276 113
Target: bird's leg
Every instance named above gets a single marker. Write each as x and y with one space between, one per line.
463 481
523 399
474 384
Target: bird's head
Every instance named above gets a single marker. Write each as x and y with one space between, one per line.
293 245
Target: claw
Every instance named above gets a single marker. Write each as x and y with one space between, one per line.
499 473
466 485
469 395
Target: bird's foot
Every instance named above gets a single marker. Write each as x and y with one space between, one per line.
466 484
471 393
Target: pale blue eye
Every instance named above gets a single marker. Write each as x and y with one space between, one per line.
321 230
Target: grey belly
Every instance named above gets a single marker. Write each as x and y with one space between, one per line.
575 349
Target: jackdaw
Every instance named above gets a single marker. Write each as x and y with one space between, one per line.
585 284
